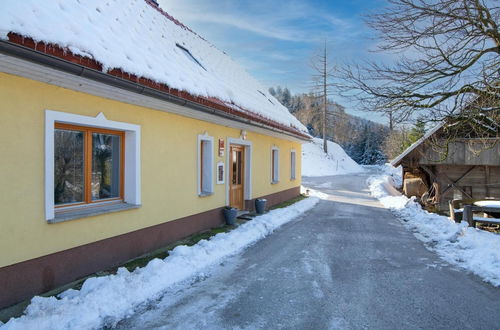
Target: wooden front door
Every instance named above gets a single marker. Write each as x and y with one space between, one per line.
236 176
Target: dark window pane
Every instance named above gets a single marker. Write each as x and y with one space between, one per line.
238 160
275 165
68 166
105 166
235 173
206 168
220 173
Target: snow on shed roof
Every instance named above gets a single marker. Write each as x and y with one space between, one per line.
139 38
396 161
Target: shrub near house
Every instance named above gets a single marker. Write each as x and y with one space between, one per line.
116 139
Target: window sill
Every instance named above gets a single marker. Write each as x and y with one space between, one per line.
274 182
205 194
86 212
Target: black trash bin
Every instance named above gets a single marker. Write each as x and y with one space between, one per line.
230 214
260 205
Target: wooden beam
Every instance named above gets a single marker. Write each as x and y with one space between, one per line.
468 215
429 171
487 180
454 183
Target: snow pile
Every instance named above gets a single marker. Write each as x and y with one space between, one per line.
139 39
473 249
316 163
103 301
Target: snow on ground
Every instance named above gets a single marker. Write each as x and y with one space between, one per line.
316 163
153 46
103 301
473 249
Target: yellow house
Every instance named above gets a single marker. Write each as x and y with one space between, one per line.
122 130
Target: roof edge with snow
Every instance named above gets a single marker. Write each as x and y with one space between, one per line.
397 161
235 95
42 48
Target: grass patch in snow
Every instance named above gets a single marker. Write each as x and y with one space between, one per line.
105 300
139 262
165 251
194 239
289 202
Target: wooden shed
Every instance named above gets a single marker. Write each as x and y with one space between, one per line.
439 167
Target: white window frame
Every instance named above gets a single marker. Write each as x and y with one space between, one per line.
132 170
276 166
208 166
293 165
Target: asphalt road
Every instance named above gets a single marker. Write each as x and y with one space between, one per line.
346 264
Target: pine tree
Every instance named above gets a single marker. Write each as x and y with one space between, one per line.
286 97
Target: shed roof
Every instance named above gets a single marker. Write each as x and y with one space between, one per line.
138 39
397 161
486 122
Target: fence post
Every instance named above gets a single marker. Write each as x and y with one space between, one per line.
468 216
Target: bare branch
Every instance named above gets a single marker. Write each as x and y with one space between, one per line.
449 57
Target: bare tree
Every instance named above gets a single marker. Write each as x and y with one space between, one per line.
448 58
322 83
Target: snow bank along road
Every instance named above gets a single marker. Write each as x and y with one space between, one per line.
348 263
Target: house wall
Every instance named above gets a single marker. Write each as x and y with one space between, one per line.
168 170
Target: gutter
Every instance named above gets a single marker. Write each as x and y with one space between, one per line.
57 63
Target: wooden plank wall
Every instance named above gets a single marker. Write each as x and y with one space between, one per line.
460 153
481 182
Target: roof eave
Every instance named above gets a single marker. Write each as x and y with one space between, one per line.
399 159
92 72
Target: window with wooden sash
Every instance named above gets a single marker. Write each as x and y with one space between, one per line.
205 165
88 165
275 165
292 165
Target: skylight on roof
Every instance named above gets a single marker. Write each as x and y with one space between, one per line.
265 97
190 56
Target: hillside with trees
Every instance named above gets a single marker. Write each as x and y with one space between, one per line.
362 139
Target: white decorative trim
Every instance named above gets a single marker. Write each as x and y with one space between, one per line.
210 169
101 116
221 181
277 165
247 183
132 175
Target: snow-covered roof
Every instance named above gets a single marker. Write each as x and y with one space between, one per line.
139 38
396 161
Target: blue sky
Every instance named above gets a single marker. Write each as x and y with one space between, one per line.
275 40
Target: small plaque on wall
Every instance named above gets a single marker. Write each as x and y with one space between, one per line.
221 147
220 172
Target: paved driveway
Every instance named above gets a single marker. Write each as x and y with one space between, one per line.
346 264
